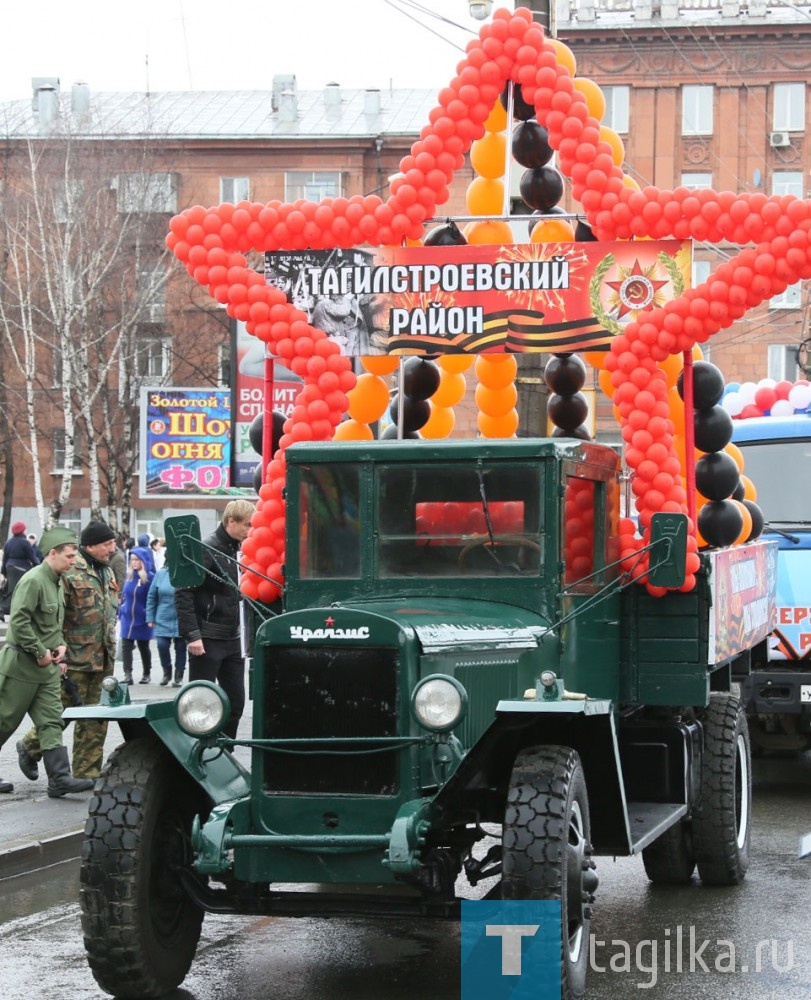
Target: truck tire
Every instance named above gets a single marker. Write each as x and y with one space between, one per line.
140 928
546 849
722 817
670 859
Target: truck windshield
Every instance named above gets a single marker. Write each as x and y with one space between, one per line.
329 529
781 473
459 521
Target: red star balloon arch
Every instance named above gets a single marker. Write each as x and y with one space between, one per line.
212 243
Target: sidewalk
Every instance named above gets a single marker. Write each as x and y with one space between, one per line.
37 831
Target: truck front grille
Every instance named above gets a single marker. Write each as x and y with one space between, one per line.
319 692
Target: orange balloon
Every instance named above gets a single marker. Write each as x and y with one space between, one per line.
617 145
440 423
496 121
488 155
676 404
496 374
564 55
749 491
735 454
698 354
629 182
498 427
455 362
351 430
604 378
485 196
672 367
369 399
746 531
481 233
380 364
595 358
595 99
552 231
496 402
452 386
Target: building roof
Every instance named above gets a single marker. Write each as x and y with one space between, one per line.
331 113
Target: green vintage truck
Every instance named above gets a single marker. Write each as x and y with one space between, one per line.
464 695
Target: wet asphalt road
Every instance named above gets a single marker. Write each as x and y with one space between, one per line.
646 933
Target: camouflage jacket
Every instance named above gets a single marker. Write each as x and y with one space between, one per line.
91 610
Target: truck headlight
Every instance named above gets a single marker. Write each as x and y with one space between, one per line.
439 702
201 708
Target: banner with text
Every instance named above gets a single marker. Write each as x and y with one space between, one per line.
550 297
185 443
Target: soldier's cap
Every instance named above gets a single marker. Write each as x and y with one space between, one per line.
56 536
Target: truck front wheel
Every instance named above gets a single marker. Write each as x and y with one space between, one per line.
140 928
722 818
546 849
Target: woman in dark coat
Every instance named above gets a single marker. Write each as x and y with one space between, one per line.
132 614
18 557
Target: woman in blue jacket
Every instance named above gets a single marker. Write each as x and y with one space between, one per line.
132 615
162 614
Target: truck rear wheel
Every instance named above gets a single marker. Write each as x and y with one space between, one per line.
140 928
546 849
722 818
670 859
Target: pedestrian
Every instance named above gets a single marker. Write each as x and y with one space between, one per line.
162 614
208 615
32 538
91 612
18 557
132 615
118 562
157 545
32 662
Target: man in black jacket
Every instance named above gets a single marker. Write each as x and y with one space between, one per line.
208 615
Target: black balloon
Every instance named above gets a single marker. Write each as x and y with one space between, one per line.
415 411
582 433
391 432
739 492
708 385
255 431
257 476
449 235
720 522
565 375
583 233
713 428
521 109
567 412
530 144
717 476
541 187
420 378
758 522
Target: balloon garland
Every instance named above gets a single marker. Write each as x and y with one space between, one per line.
212 244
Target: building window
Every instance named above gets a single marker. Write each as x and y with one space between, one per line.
59 451
694 181
782 362
701 271
234 189
616 108
787 182
151 358
696 110
789 299
224 364
146 192
151 293
788 113
312 184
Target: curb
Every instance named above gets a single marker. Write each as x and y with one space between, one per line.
41 853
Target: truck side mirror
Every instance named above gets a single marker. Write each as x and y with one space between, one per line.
184 550
668 550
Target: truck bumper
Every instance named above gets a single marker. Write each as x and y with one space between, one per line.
783 692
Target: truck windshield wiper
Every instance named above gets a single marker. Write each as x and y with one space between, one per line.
779 531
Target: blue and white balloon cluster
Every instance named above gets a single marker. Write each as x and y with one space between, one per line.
766 398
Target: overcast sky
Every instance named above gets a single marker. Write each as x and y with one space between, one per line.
208 45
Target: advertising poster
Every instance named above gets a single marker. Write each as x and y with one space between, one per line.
551 297
185 443
743 581
248 394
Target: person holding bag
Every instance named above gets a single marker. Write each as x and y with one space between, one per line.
132 614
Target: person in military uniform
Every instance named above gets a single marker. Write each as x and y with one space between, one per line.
91 610
33 660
